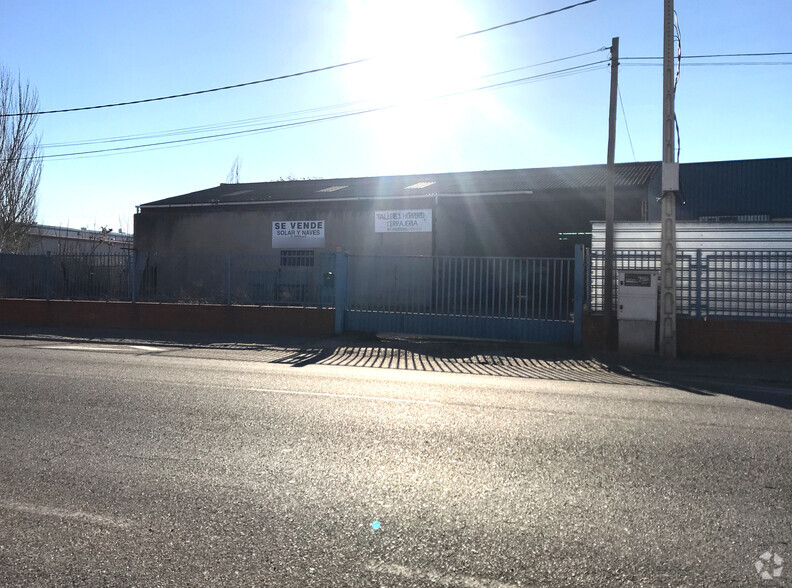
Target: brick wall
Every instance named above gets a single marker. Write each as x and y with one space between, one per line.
734 339
207 318
725 339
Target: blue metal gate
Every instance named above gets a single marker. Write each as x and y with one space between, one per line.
521 299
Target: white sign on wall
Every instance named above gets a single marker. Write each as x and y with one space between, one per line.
403 221
306 234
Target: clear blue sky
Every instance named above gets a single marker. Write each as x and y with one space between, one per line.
81 53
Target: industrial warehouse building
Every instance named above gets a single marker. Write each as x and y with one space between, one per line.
491 254
430 244
481 254
517 213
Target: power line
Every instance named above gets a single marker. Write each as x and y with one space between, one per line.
198 128
713 55
245 132
601 49
715 63
282 116
281 77
624 116
194 93
522 20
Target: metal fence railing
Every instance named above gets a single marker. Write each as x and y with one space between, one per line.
747 284
728 284
287 278
723 284
520 288
644 261
83 277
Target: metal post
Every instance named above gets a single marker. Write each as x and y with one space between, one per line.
607 294
670 184
340 286
579 282
47 275
228 280
132 270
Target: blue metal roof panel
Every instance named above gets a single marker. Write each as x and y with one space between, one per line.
735 188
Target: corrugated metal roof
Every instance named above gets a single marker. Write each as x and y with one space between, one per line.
481 182
736 188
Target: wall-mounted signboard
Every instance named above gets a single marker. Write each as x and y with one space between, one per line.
303 234
403 221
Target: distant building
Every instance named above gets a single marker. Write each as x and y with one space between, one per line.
43 239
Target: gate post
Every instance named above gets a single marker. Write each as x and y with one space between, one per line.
340 289
131 265
579 283
47 262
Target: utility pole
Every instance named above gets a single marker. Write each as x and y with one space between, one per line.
607 285
670 186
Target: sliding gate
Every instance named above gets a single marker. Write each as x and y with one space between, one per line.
521 299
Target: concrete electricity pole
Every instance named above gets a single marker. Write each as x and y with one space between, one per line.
607 285
670 185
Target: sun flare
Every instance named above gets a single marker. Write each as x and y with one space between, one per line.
416 59
413 48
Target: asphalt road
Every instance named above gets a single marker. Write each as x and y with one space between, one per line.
144 465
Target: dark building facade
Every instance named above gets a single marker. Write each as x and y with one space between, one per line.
526 212
752 190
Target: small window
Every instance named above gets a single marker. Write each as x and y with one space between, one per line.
298 258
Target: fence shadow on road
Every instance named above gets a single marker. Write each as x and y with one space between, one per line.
760 382
463 358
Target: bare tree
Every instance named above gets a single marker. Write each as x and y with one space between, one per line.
233 174
20 164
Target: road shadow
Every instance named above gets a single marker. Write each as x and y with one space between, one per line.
768 383
763 382
544 362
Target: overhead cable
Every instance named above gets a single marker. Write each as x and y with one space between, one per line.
282 117
245 132
277 78
600 50
714 63
522 20
713 55
627 126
